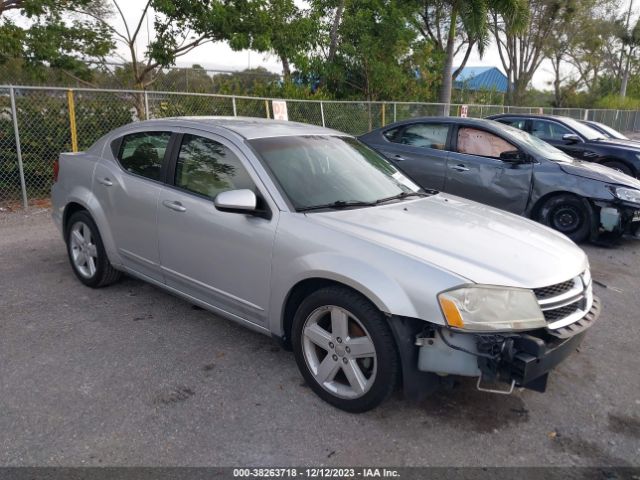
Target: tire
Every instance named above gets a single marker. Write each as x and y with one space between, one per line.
86 252
568 214
344 349
621 167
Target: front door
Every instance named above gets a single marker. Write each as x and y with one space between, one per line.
475 171
220 258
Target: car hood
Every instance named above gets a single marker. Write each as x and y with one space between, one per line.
479 243
618 142
598 172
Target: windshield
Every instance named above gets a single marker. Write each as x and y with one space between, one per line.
611 132
584 130
323 170
539 147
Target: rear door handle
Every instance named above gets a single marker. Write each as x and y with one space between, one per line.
106 181
176 206
459 168
399 158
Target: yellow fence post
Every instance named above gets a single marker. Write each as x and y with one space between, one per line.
266 107
383 113
72 121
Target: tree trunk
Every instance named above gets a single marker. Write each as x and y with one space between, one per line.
286 69
333 36
447 79
625 76
556 82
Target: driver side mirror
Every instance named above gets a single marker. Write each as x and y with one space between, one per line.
514 156
571 138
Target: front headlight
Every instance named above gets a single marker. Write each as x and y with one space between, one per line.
627 194
488 308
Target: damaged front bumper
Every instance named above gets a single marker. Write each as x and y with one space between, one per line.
618 217
522 359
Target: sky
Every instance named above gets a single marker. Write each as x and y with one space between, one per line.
218 56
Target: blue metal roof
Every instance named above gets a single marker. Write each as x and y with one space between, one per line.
481 78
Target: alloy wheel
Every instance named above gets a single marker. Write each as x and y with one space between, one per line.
84 252
339 352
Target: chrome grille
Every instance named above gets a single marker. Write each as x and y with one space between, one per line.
563 312
553 290
566 302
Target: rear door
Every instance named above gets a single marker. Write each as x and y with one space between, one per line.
475 170
127 185
419 150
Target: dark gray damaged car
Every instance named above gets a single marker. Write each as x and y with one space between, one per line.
504 167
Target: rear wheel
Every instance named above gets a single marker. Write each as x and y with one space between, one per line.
567 214
345 349
621 167
86 252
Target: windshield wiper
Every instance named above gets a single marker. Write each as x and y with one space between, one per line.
401 196
338 204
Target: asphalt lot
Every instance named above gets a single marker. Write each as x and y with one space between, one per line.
130 375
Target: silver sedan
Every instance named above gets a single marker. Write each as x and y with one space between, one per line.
305 234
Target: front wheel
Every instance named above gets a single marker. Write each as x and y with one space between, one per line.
344 349
86 252
567 214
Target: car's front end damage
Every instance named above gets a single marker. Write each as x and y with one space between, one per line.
621 214
501 358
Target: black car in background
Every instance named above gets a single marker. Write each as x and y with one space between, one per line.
606 130
504 167
578 140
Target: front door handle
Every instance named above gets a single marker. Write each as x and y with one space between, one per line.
106 181
176 206
459 168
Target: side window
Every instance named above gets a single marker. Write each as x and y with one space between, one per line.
548 130
142 153
514 122
207 167
392 134
473 141
428 135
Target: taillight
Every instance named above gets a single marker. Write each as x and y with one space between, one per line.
56 170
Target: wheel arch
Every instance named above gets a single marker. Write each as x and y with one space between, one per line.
87 202
608 159
537 206
303 289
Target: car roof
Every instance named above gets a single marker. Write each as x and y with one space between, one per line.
247 127
531 115
465 120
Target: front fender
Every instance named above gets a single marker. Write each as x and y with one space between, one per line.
382 290
396 283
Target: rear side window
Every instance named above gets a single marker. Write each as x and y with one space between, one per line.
142 153
426 135
473 141
207 167
514 122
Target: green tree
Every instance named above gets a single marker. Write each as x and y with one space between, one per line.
458 25
522 50
50 34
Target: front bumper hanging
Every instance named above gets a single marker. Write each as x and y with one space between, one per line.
520 359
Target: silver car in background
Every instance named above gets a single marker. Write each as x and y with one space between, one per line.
305 234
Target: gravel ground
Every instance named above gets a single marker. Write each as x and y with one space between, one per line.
130 375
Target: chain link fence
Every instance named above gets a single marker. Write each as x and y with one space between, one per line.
36 123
